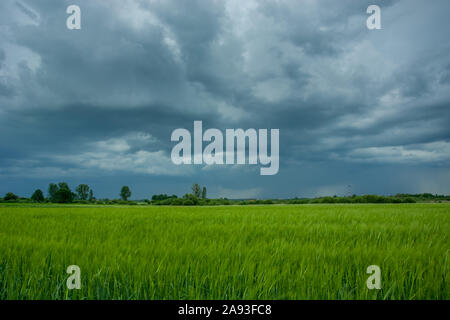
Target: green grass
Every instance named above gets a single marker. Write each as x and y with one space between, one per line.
248 252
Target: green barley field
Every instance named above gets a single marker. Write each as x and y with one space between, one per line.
228 252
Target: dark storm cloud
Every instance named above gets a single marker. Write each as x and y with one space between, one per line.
5 90
99 104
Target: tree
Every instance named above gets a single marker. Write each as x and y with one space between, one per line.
190 199
83 191
161 197
204 193
91 195
52 189
11 196
38 196
63 195
63 185
125 193
196 190
60 193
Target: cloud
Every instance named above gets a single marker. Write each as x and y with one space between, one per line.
125 143
421 153
104 100
239 193
124 154
331 190
140 162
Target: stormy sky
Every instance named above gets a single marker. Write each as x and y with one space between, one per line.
359 107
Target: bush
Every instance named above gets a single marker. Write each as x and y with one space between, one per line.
176 202
11 197
327 200
192 198
63 195
22 200
38 196
343 200
82 201
125 202
159 197
298 201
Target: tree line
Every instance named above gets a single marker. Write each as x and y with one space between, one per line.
61 193
83 194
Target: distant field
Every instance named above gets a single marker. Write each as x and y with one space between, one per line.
238 252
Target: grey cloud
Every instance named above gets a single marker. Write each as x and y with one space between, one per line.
349 102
